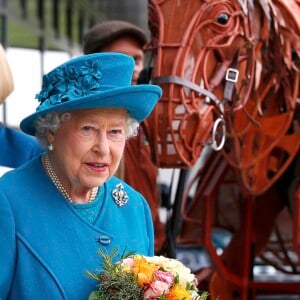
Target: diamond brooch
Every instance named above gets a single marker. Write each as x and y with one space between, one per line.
119 194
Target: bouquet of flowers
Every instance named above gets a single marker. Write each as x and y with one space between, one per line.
137 277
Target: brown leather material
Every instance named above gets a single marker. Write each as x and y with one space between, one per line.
263 137
193 60
241 190
191 64
141 173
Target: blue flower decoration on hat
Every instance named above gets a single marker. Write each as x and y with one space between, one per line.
93 81
67 83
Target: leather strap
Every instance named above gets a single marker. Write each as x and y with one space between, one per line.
192 86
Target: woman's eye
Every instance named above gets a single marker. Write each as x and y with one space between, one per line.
116 131
116 134
86 128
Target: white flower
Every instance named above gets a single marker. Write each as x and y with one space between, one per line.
175 267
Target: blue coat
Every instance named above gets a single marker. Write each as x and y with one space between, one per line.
46 247
16 147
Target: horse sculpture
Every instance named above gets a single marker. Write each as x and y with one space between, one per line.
229 70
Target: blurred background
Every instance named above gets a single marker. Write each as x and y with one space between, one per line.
38 35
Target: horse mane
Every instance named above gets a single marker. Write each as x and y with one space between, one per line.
281 33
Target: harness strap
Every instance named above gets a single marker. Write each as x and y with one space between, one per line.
219 128
192 86
231 79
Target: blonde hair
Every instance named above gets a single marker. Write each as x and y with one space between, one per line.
6 79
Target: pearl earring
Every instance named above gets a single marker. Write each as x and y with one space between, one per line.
50 147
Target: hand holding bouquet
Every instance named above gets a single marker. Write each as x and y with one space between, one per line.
137 277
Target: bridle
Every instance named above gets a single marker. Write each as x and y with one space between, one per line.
210 98
227 75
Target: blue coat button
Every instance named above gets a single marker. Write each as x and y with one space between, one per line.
103 240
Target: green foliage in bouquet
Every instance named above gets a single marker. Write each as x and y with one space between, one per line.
114 284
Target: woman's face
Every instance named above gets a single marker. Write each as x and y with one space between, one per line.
88 147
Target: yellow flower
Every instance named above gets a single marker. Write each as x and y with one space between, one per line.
179 293
126 268
143 270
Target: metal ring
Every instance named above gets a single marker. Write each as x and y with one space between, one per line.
213 143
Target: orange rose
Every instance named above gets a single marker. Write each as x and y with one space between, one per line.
143 270
178 293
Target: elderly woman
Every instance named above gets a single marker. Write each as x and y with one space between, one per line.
59 209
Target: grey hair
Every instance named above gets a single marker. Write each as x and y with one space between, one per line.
132 127
52 120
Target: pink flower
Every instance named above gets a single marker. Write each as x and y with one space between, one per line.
160 286
156 289
163 276
127 264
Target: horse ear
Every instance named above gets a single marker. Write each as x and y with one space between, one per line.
243 4
6 79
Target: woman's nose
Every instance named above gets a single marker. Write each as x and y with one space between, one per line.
102 144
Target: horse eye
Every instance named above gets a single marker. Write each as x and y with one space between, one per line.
222 18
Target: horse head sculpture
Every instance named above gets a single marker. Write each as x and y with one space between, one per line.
229 70
197 46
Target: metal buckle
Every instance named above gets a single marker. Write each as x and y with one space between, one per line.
232 75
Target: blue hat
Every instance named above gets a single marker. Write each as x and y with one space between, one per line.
94 81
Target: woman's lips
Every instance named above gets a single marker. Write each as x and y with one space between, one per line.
97 167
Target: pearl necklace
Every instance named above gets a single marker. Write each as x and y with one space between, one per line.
51 173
